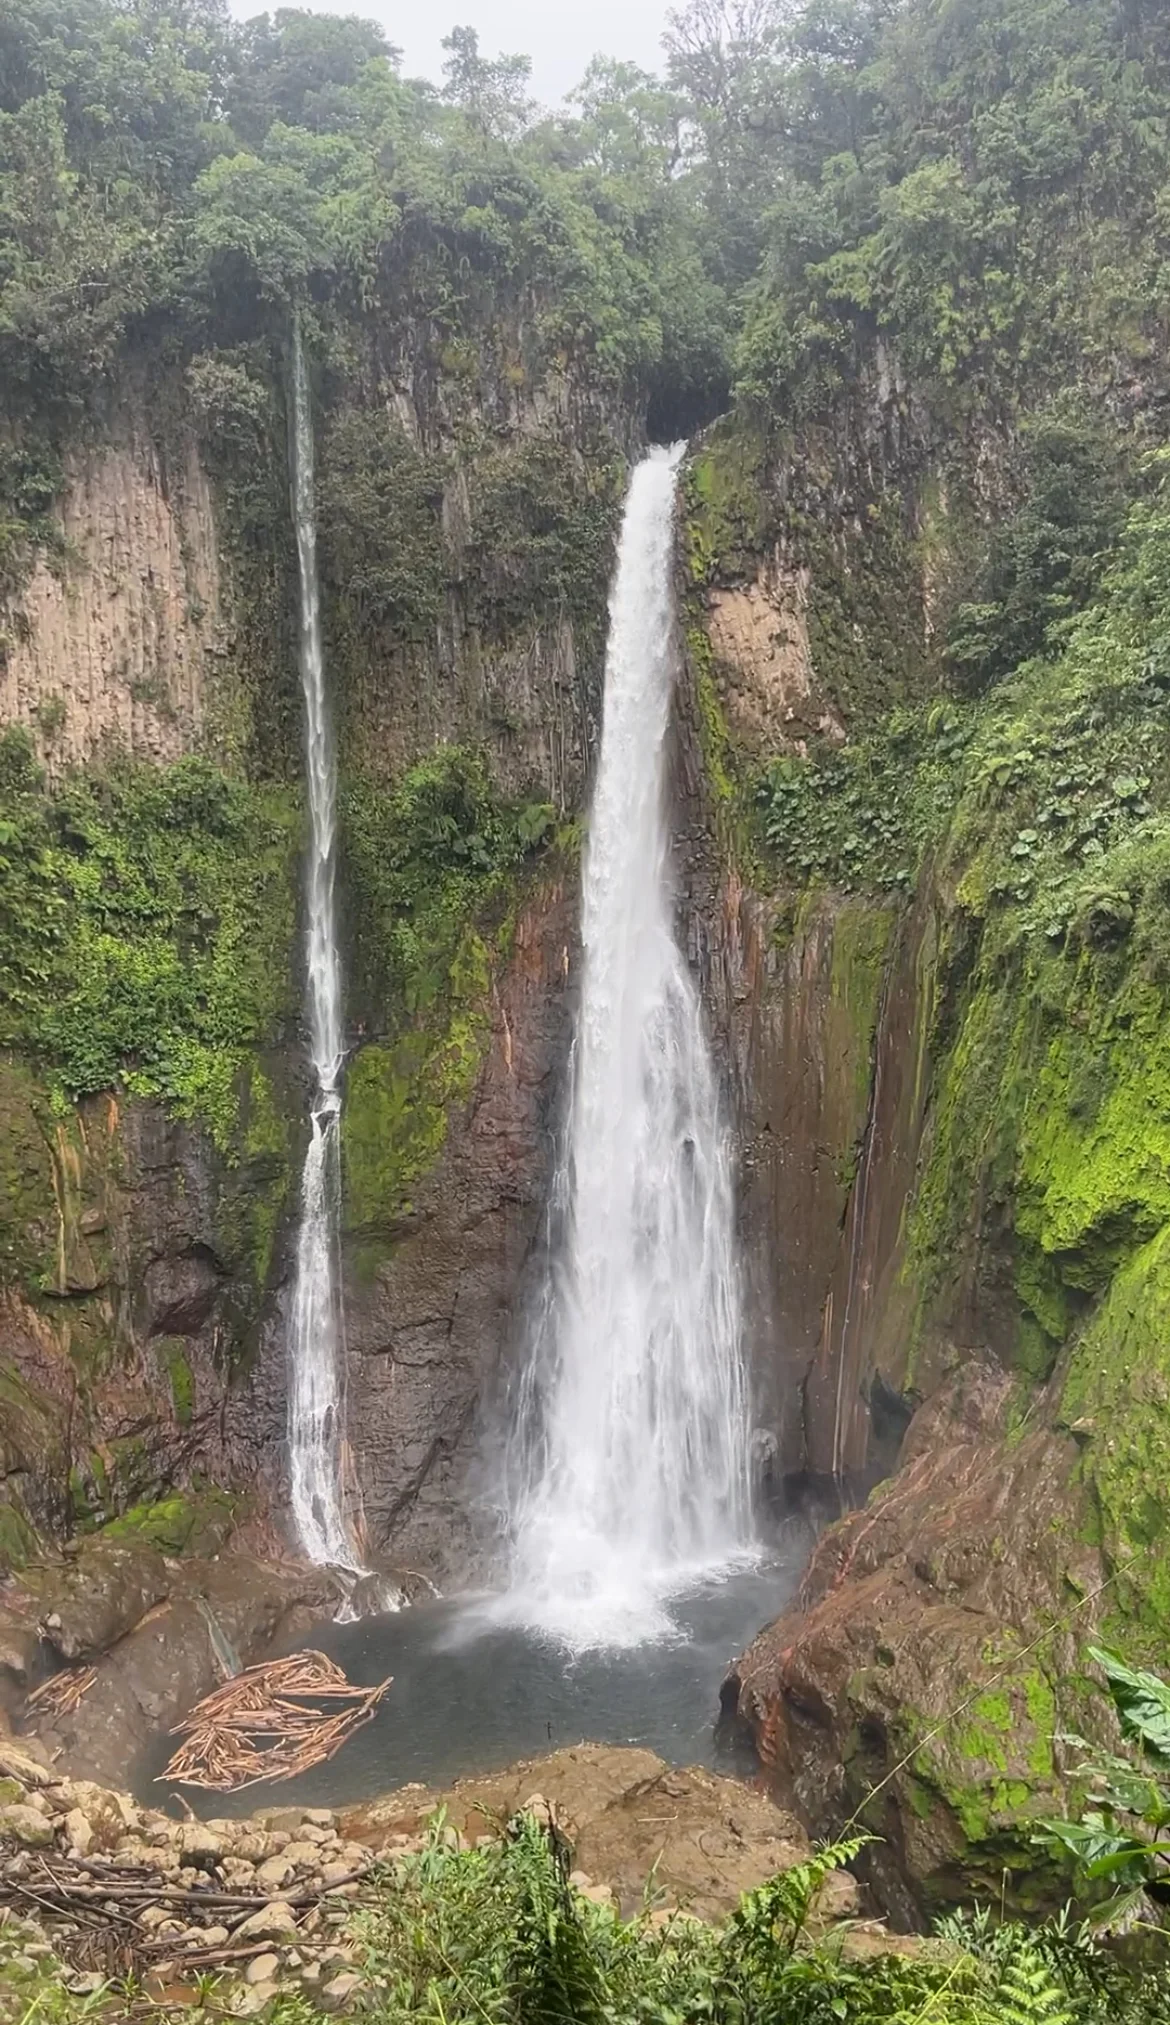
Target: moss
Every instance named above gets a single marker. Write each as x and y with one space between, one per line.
1094 1177
19 1541
28 1205
399 1094
861 943
1117 1394
258 1180
172 1354
717 748
866 623
726 506
191 1523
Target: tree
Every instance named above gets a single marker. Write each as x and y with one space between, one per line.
491 92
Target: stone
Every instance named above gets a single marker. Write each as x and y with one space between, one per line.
263 1969
311 1972
215 1937
237 1870
274 1872
24 1759
87 1984
319 1817
966 1551
336 1873
252 1999
152 1916
303 1854
337 1993
27 1825
78 1832
199 1843
269 1923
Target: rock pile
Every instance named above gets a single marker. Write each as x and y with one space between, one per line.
120 1885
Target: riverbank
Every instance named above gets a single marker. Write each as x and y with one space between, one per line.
236 1912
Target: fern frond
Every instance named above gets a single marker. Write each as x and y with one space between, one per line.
1028 1992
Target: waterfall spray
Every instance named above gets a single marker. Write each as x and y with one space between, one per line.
316 1403
629 1473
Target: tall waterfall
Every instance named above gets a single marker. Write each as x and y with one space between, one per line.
316 1433
629 1467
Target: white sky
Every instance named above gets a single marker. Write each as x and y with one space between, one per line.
559 35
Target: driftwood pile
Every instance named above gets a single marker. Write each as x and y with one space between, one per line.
62 1692
105 1901
267 1723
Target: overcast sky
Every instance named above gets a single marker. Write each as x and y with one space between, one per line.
559 35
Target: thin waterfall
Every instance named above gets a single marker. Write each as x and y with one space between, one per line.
316 1433
628 1470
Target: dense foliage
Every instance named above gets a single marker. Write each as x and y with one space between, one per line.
497 1933
147 925
1118 1844
1051 794
424 860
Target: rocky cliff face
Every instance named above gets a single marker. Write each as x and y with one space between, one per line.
145 1255
937 948
119 639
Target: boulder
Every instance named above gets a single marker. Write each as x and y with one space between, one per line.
706 1839
270 1923
26 1825
891 1694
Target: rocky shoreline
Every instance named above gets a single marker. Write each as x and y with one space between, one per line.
102 1888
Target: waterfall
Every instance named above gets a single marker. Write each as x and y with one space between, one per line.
315 1403
628 1472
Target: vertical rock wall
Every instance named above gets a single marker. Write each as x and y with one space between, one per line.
118 640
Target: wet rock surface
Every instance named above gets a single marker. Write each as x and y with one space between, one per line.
914 1685
161 1630
434 1299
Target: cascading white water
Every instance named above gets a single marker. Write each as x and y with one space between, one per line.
315 1403
628 1471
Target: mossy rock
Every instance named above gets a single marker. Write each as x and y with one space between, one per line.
192 1523
1116 1399
28 1205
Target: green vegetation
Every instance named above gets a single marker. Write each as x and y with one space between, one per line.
422 861
431 869
860 816
196 1522
498 1934
982 188
1118 1843
147 927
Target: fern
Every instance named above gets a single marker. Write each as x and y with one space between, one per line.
1027 1992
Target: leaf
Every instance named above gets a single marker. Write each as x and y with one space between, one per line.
1142 1702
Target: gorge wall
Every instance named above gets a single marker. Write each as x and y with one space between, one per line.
938 939
923 791
146 1234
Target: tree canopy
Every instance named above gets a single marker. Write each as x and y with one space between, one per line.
979 184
